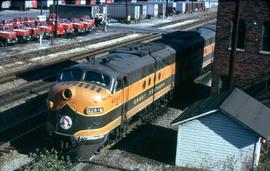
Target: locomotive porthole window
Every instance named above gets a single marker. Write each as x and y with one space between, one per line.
159 76
149 81
144 84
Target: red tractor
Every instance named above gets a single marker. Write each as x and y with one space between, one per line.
44 28
7 36
78 25
22 33
7 23
60 27
17 20
60 31
34 31
28 20
88 23
68 26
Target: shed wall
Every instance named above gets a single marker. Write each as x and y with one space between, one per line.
215 141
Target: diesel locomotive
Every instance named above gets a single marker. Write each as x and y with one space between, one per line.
94 100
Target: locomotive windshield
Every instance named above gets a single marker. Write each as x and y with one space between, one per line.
71 75
98 78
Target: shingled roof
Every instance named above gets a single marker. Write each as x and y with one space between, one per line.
236 104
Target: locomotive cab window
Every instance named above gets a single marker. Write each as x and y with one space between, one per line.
118 85
70 75
98 78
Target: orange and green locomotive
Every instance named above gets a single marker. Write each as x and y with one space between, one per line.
92 100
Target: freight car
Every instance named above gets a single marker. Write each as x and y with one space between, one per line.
5 5
77 11
23 4
93 102
47 3
120 11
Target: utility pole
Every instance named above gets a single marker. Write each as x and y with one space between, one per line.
1 5
126 11
56 18
234 41
53 11
41 7
191 6
166 9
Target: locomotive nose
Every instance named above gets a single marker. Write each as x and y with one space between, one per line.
59 95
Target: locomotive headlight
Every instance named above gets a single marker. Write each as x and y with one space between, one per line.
67 94
90 110
50 104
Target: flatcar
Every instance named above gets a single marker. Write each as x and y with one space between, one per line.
92 101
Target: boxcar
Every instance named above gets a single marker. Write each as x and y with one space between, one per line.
118 11
21 5
77 11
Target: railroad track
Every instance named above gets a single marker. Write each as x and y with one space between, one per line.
181 20
39 87
16 64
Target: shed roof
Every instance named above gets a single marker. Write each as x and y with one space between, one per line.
237 105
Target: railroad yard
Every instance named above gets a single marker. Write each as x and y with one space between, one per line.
139 85
28 70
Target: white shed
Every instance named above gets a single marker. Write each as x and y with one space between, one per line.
222 132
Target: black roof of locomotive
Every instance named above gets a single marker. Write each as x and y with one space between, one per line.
124 63
182 40
140 49
208 32
115 64
95 66
128 61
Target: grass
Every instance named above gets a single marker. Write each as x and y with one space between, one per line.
49 160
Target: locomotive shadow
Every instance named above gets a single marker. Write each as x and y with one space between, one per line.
151 141
36 139
33 143
188 93
43 71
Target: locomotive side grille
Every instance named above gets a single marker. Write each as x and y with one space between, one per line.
74 83
87 86
81 84
98 90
